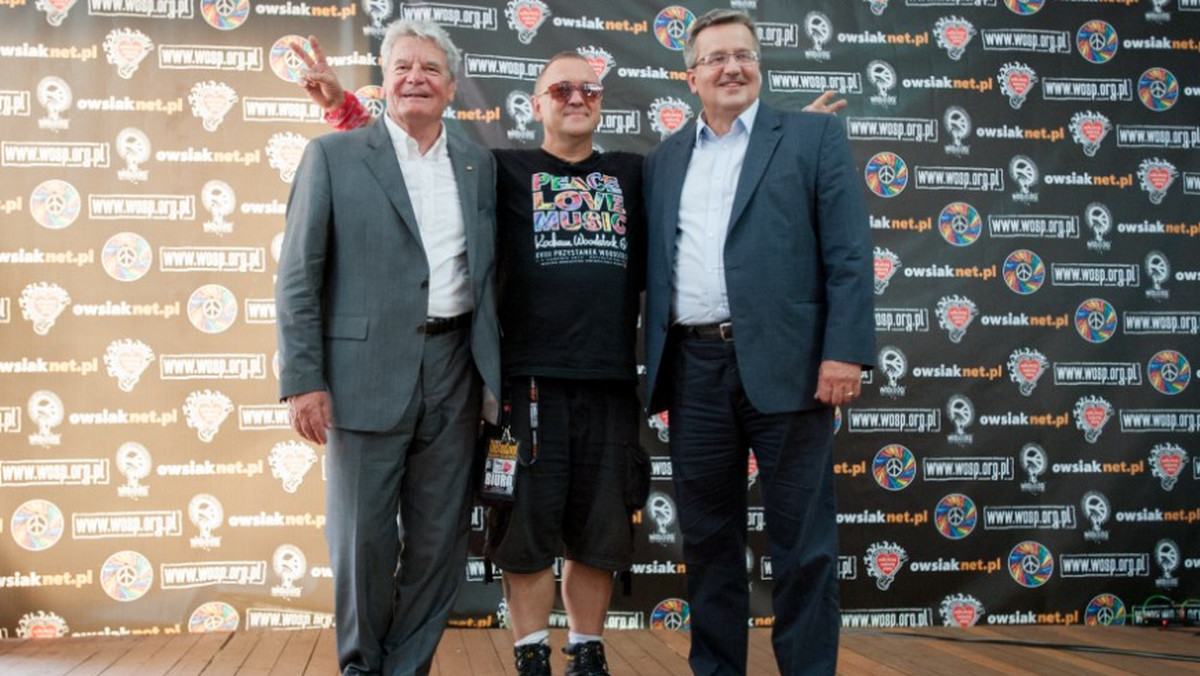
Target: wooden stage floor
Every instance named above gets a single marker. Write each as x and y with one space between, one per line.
980 651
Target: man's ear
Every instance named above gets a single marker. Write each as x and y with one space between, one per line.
536 103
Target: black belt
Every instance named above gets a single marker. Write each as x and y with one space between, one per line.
722 331
437 325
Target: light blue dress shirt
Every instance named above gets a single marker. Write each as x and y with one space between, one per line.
704 211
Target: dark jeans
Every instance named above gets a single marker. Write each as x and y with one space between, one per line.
713 425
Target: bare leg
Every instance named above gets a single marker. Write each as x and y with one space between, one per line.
530 600
586 595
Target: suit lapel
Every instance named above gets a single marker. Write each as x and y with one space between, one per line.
381 159
763 139
676 157
466 176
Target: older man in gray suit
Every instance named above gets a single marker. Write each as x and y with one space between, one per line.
387 330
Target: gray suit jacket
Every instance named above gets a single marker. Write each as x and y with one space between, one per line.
798 259
352 289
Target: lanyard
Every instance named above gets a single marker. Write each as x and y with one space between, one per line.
533 422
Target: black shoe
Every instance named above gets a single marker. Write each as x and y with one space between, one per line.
586 659
533 659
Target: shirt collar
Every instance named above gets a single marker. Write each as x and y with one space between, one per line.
743 124
406 146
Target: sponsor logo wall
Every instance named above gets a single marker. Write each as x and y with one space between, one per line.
1024 453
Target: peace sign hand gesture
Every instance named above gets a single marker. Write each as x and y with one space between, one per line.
318 78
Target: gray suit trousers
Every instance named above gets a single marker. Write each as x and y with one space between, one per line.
398 513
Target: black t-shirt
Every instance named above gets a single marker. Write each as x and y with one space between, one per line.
570 258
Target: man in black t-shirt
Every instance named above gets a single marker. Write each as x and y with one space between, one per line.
571 257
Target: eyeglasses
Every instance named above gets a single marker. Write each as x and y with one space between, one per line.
743 58
562 91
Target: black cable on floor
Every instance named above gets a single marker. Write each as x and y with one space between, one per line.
1032 644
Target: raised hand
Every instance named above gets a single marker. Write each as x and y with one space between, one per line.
318 78
822 103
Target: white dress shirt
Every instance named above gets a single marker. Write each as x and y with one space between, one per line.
433 193
704 210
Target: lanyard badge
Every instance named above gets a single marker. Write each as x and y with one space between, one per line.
504 453
500 467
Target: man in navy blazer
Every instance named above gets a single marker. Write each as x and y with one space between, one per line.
759 321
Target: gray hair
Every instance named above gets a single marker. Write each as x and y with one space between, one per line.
425 30
716 17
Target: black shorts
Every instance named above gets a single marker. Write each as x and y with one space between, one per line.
589 477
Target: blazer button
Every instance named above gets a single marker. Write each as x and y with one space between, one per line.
424 284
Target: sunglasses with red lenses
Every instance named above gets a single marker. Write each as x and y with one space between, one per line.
562 91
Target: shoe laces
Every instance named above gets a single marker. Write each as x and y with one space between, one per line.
533 660
586 659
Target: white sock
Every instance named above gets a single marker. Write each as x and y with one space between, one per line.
572 637
542 636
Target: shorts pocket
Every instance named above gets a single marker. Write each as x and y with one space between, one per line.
637 477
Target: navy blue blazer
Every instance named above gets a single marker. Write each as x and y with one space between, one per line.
798 259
